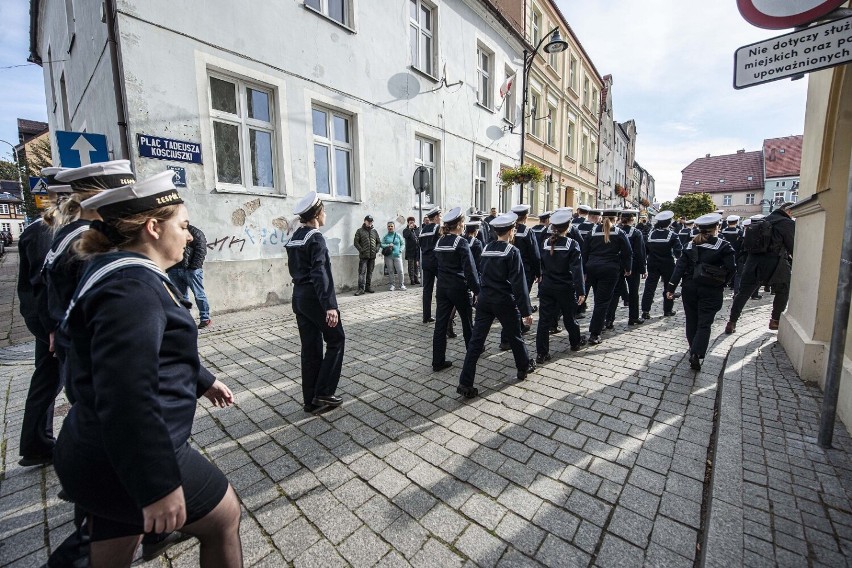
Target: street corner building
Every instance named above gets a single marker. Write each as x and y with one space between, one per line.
255 108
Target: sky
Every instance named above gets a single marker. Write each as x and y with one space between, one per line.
672 66
671 62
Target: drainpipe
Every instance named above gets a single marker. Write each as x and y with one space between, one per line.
838 332
117 80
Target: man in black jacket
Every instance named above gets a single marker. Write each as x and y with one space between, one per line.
770 268
411 234
190 275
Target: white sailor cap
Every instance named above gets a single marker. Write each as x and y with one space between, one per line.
708 220
732 218
545 215
452 215
757 217
629 212
583 208
611 212
101 175
504 220
594 211
664 216
473 224
434 211
720 211
520 209
561 217
307 203
49 174
568 209
747 222
152 193
689 221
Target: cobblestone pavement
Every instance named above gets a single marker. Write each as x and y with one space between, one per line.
599 458
12 328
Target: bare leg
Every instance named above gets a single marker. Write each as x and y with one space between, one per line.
219 534
113 552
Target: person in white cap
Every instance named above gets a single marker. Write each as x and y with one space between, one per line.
315 306
686 232
429 235
663 249
629 285
473 233
527 245
581 215
734 235
503 294
539 230
705 267
123 454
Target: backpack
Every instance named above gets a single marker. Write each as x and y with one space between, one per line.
757 238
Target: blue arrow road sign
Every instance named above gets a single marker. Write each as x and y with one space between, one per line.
81 148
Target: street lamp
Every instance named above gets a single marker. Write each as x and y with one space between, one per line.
555 45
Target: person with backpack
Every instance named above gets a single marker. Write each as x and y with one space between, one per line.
705 267
769 245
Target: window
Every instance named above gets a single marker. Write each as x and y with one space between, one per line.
783 184
425 154
551 117
6 226
18 210
509 100
337 10
593 155
421 36
536 26
4 208
20 227
595 100
572 73
749 199
480 184
484 88
750 178
584 149
332 151
721 181
548 194
794 196
570 144
243 133
727 199
535 111
779 197
586 92
63 92
532 194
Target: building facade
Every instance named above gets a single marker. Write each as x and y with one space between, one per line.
733 181
12 219
258 107
782 163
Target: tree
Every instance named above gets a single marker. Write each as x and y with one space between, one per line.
690 205
8 171
38 157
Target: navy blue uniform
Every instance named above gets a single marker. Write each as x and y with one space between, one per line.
562 281
503 292
37 427
581 230
476 248
457 274
685 235
629 285
701 302
527 245
135 375
663 247
734 236
604 262
313 296
62 270
428 239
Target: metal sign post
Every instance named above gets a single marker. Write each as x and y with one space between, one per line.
421 184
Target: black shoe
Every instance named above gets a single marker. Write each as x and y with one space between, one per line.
64 496
328 400
504 346
534 309
635 322
542 358
370 291
450 333
594 340
530 369
313 408
578 346
669 314
467 392
150 551
609 325
442 366
583 340
676 295
358 292
428 320
555 330
204 323
646 315
694 362
32 461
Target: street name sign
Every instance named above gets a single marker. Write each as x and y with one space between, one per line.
168 149
783 14
805 51
81 148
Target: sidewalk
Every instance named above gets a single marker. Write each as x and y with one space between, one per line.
599 458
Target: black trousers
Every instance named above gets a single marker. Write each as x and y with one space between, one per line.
655 275
486 313
602 278
504 334
37 427
429 276
320 373
757 271
626 286
449 298
747 288
553 304
413 270
700 306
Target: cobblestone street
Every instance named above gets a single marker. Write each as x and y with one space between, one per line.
618 455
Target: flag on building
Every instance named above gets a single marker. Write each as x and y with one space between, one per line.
507 86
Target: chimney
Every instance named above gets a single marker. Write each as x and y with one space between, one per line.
707 156
741 151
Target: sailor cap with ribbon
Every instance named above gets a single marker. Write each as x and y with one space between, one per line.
452 215
709 220
98 176
521 209
664 216
504 220
561 217
732 218
629 212
583 208
434 211
152 193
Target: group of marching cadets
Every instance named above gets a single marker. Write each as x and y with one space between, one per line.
111 328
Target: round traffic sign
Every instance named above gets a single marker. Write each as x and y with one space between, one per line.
421 179
782 14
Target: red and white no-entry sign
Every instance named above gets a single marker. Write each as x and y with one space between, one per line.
782 14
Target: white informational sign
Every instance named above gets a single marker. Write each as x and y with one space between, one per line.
781 14
811 49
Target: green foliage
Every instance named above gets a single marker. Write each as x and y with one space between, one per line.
690 205
522 174
8 171
38 157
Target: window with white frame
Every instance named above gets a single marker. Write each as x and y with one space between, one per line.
535 113
20 227
509 99
779 197
337 10
584 150
333 151
535 26
570 141
532 194
727 200
6 227
595 100
4 208
550 137
553 60
244 139
586 87
426 155
749 199
593 155
421 31
480 184
794 195
548 194
572 73
484 85
19 210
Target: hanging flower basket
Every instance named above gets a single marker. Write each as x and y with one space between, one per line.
644 202
620 191
524 173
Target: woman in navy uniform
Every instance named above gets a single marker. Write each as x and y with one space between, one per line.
315 306
663 248
562 286
583 228
457 278
473 232
606 258
686 232
629 285
734 235
702 296
503 293
429 235
123 454
540 230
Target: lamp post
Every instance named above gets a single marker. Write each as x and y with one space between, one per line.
555 45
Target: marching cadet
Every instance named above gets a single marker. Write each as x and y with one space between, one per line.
583 230
482 230
315 306
503 294
607 256
562 286
429 235
473 232
629 285
705 266
539 231
580 217
685 234
123 454
457 279
663 248
734 235
527 245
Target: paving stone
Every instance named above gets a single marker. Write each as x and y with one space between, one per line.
630 526
319 555
484 511
520 533
675 536
378 513
337 524
295 538
444 523
557 552
617 552
363 548
557 521
405 535
435 554
588 507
